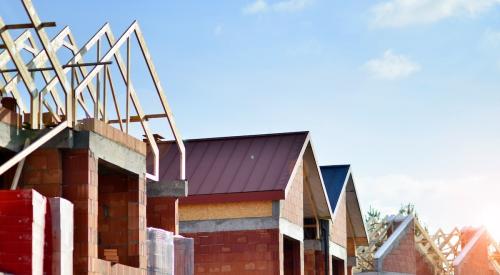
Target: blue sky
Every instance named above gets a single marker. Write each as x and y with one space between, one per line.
406 91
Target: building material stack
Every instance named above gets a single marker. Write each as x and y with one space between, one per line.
160 252
183 255
22 215
61 212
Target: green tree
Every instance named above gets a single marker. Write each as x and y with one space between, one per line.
373 217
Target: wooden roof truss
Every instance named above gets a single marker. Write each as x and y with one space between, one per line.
63 86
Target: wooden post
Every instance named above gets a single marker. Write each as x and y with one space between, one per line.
128 86
98 84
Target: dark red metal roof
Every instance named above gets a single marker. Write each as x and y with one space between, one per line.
231 165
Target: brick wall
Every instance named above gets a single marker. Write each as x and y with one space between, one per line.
80 187
237 252
9 117
163 213
476 262
119 217
338 228
422 265
43 171
402 257
314 262
293 206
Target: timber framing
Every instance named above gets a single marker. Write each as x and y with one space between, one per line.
441 250
78 89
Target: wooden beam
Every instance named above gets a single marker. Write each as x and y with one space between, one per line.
137 118
64 66
28 26
19 168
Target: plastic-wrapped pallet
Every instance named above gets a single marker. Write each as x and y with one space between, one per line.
61 211
160 252
22 216
184 255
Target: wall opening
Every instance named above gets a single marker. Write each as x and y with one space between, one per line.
291 250
117 225
6 178
338 267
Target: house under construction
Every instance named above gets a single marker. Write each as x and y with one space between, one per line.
71 126
401 245
90 186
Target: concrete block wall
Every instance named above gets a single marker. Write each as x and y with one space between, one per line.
402 257
237 252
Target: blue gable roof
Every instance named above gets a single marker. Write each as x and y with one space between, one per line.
334 177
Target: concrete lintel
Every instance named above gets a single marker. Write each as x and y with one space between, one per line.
111 151
291 230
352 261
12 138
174 188
228 225
312 245
338 251
106 149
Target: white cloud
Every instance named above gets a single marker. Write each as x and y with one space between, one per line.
258 6
400 13
261 6
439 202
391 66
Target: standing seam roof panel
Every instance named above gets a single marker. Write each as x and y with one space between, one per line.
225 165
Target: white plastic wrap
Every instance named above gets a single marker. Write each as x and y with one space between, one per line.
184 255
160 252
62 235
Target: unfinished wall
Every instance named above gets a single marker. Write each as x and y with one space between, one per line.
42 171
118 223
228 210
314 262
162 213
401 258
80 187
422 265
293 206
338 229
237 252
476 261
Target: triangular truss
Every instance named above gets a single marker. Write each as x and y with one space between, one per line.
62 91
440 250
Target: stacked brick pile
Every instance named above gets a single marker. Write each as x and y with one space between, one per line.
184 255
61 213
22 216
160 252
